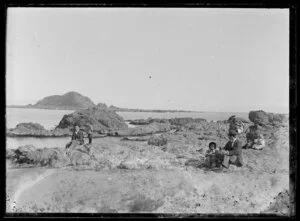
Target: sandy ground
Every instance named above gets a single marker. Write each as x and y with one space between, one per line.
183 189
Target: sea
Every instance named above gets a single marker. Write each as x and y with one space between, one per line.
50 119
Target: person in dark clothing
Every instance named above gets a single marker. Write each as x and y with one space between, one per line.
77 137
213 156
90 134
233 152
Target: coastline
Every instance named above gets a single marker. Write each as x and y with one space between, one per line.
158 179
113 109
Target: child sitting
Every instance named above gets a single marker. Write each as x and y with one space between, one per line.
212 156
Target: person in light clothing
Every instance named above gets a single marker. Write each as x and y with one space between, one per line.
259 143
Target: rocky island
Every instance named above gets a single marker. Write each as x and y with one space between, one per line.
75 101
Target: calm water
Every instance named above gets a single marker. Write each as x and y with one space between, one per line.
50 118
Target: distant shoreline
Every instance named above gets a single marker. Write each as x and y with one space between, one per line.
113 109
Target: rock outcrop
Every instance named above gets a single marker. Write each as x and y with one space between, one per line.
102 105
142 130
71 100
239 119
35 130
187 143
263 118
157 140
95 169
277 119
186 120
102 120
29 155
173 121
140 121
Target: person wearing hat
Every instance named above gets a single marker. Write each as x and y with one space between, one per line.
77 137
235 125
232 151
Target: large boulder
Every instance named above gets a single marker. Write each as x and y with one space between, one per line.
102 120
22 150
80 158
36 130
54 157
28 129
259 117
263 118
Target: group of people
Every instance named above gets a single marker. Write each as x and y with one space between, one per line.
78 136
231 153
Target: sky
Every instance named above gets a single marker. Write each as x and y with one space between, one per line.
203 59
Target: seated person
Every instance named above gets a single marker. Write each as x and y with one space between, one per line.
213 156
259 143
77 137
232 152
235 125
254 137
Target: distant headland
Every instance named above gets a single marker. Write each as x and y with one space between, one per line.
75 101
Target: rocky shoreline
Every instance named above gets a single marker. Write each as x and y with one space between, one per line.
173 132
178 149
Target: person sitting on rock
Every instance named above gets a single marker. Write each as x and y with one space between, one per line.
254 138
232 152
77 137
212 156
259 143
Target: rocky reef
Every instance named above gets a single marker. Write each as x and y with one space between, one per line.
185 142
36 130
173 121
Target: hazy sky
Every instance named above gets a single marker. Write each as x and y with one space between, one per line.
194 58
